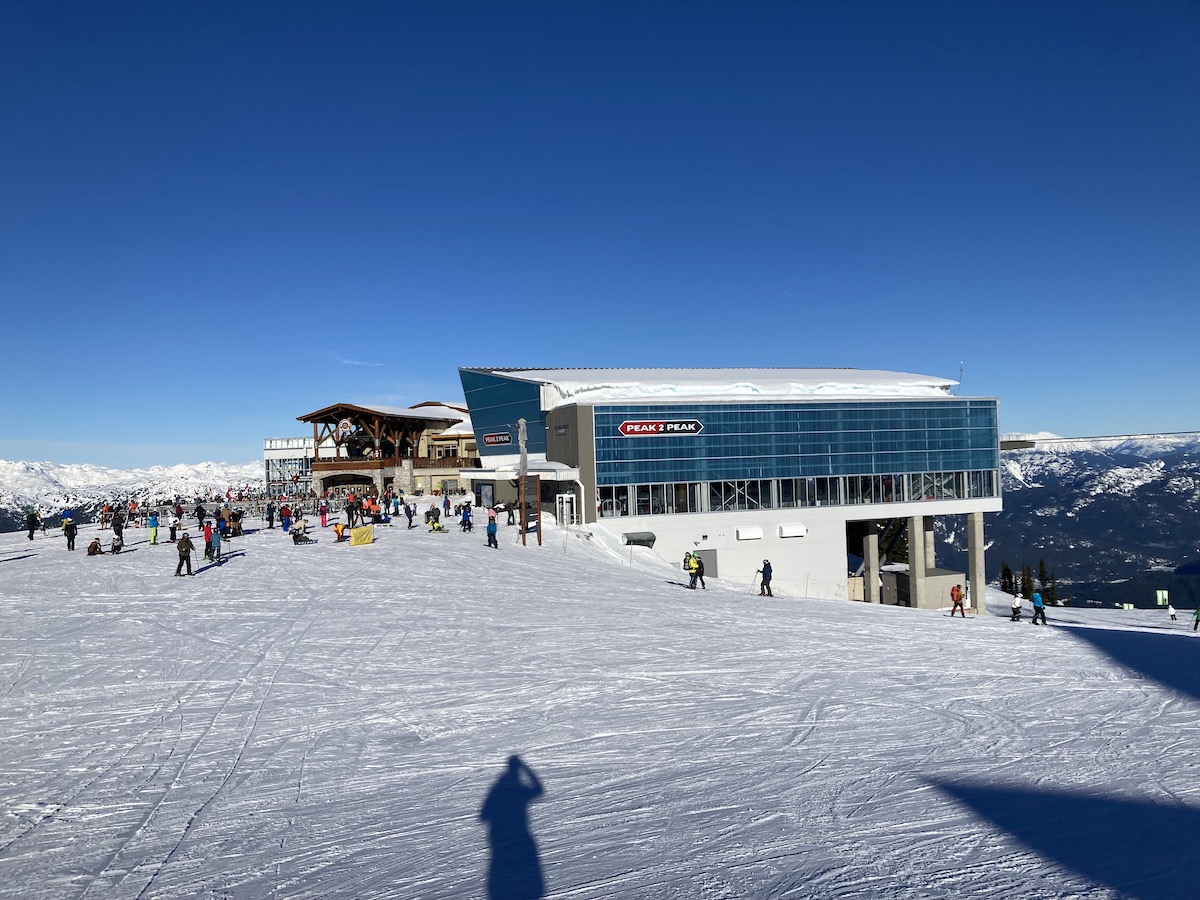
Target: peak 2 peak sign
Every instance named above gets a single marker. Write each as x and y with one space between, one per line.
661 427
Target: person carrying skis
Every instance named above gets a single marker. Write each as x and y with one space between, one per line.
185 548
1039 608
956 598
764 589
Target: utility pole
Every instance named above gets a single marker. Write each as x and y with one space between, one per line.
523 471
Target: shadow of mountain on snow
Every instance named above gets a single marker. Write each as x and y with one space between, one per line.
1142 849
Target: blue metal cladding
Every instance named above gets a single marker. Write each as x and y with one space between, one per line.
798 440
496 403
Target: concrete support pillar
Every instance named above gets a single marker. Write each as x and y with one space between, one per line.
976 579
916 562
871 589
930 543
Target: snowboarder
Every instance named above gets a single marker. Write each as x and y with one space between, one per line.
185 548
1016 608
956 598
1171 612
765 589
1039 608
491 533
70 530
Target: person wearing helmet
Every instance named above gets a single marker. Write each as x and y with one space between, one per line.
764 589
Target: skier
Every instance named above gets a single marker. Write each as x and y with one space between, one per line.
208 537
410 510
152 524
765 589
216 546
185 548
1171 612
956 598
1039 608
1016 608
491 533
70 529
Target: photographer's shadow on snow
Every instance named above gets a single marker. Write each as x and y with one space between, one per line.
1172 660
1136 847
514 871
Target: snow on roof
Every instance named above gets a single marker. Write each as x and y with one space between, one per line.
725 385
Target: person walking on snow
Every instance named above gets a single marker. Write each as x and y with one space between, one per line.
765 589
1039 608
1016 608
1196 624
32 522
956 598
690 563
700 571
216 545
70 530
1171 612
185 548
491 533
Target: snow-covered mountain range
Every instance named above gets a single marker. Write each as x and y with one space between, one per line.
1097 509
52 487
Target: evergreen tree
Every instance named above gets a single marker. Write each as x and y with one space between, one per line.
1026 581
1054 598
1042 579
1008 583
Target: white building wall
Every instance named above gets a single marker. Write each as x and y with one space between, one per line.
811 566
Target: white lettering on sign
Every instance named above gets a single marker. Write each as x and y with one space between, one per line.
672 426
491 440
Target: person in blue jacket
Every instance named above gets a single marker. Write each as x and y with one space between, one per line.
1039 608
764 589
152 524
491 533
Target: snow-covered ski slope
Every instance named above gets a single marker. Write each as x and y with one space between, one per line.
326 722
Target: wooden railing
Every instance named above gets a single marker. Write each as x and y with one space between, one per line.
372 465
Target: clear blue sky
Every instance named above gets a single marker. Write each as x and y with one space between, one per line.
216 216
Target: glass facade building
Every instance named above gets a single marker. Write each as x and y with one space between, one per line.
747 456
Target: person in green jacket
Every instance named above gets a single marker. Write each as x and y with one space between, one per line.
185 548
1196 624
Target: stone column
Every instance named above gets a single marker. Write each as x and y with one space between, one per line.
916 561
930 543
871 588
976 578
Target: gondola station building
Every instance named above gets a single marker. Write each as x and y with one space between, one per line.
808 468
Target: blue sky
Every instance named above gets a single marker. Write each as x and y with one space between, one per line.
215 217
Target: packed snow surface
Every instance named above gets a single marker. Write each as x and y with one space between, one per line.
327 721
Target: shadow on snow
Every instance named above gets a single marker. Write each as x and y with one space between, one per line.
515 870
1174 663
1142 849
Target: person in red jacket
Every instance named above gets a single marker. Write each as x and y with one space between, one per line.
208 547
285 518
956 598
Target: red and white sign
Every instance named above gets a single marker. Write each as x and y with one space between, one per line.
661 427
493 440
